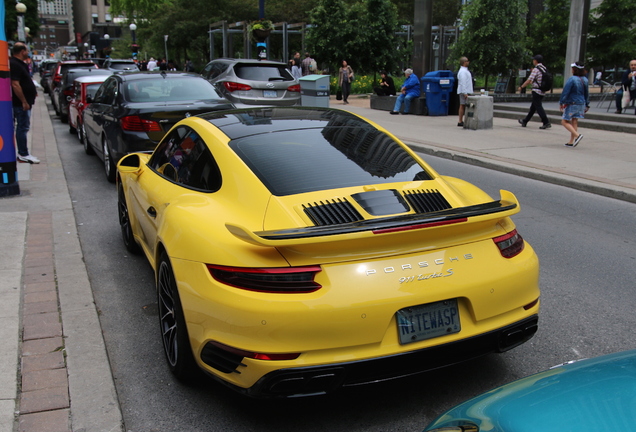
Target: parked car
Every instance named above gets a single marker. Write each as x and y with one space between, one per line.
55 78
248 83
300 250
132 111
46 69
64 91
120 65
590 395
83 88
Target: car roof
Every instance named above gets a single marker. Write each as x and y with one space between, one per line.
120 61
265 120
70 62
248 61
93 78
136 75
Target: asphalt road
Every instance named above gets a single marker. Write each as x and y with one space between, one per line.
587 248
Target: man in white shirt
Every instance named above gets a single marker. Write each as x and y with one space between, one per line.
152 64
464 87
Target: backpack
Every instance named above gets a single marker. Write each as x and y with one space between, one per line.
313 66
547 80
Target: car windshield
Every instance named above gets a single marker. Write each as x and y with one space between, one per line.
298 161
159 89
262 72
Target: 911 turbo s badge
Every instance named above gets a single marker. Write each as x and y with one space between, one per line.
420 265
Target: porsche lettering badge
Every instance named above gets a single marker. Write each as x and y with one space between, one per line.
420 265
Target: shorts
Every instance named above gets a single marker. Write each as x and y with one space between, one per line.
573 111
463 98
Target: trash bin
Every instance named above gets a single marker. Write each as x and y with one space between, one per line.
479 112
314 91
438 85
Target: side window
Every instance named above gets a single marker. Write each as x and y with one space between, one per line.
184 158
206 72
106 93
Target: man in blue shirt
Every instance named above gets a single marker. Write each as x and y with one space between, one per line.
410 90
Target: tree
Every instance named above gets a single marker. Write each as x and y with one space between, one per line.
363 34
548 33
445 12
612 33
493 37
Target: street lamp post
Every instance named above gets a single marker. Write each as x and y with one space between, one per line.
165 46
133 28
21 9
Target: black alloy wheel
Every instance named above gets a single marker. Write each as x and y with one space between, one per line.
174 333
124 222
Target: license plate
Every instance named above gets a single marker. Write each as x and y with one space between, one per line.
428 321
270 93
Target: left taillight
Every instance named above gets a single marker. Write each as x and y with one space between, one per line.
294 88
283 280
510 245
137 124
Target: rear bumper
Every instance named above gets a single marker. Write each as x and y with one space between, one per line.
324 379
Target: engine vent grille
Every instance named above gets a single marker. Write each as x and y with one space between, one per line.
426 201
332 212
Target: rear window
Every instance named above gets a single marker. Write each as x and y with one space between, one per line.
262 72
124 66
159 89
298 161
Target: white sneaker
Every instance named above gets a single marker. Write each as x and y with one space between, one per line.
28 158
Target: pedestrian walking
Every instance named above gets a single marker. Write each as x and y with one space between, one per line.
345 77
464 87
295 69
575 102
23 98
535 80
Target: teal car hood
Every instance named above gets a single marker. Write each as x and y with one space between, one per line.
588 395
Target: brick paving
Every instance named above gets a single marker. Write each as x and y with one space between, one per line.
44 398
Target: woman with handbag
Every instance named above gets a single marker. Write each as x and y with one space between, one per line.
345 76
575 101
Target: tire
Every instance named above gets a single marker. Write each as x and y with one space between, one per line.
124 222
63 118
109 166
71 129
80 131
174 334
88 149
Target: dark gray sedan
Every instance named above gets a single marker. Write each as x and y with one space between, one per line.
131 112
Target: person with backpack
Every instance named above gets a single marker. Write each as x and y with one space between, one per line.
308 65
574 102
541 81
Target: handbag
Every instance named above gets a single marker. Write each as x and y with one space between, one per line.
625 101
339 95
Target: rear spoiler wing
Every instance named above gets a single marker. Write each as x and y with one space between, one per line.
506 206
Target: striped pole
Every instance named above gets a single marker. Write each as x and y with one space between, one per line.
8 167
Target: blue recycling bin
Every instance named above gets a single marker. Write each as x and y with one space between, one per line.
438 85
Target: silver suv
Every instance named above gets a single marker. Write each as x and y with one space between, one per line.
248 83
120 65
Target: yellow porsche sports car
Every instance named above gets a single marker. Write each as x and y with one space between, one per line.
300 250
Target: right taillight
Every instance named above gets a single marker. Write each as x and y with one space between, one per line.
510 244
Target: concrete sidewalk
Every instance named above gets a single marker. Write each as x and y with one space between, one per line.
603 163
54 370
